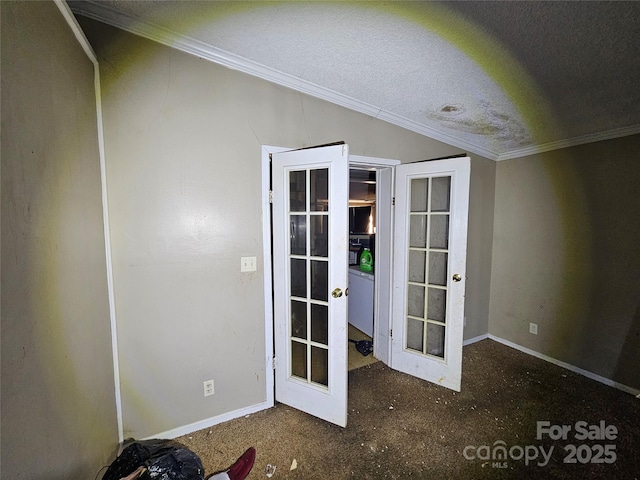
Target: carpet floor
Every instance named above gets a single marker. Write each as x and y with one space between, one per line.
402 427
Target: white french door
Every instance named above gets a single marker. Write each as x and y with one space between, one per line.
431 210
310 274
310 261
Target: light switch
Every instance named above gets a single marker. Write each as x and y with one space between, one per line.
248 264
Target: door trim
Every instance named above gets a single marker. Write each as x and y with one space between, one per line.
267 263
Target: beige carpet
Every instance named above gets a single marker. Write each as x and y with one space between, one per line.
356 359
401 427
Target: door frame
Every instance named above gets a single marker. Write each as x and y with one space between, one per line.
382 327
384 243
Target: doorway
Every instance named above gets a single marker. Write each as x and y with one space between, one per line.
419 271
362 265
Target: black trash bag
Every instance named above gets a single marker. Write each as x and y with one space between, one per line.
163 459
365 347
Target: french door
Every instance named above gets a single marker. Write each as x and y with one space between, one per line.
310 245
310 275
430 244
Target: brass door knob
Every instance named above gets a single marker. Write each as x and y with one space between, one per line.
456 277
337 293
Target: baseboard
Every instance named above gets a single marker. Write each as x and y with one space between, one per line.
225 417
586 373
475 339
209 422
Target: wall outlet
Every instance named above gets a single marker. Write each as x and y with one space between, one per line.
208 388
533 328
248 264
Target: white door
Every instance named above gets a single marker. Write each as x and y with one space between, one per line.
310 262
431 209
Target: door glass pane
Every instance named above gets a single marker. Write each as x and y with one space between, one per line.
435 340
440 194
298 278
298 234
299 319
418 231
436 304
320 235
320 365
298 190
320 324
319 201
298 359
417 266
415 335
439 232
320 280
415 306
419 194
437 268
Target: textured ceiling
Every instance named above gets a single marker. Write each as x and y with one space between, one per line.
500 79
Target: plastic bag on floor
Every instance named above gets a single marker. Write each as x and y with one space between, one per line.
160 459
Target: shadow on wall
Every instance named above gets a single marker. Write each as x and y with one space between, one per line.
566 256
627 369
598 304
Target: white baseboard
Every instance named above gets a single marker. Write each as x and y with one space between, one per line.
475 339
586 373
209 422
225 417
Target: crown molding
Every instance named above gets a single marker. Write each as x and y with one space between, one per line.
570 142
97 11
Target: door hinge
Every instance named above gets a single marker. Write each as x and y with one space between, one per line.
273 362
391 333
270 196
393 201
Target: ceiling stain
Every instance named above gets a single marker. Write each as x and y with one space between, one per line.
452 109
484 120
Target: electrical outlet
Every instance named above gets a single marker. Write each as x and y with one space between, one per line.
533 328
247 264
208 388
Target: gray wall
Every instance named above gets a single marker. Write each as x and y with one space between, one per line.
567 256
479 246
183 143
58 399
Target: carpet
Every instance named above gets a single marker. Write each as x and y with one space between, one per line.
402 427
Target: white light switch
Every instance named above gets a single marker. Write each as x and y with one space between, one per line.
248 264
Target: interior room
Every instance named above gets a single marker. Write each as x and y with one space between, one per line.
138 251
362 227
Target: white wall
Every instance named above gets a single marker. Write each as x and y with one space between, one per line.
58 399
183 143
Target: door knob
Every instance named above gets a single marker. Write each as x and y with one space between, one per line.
337 293
456 277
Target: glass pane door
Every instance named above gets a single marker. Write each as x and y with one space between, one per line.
310 255
432 203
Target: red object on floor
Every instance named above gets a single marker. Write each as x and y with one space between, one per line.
243 465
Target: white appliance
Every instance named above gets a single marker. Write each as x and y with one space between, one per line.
361 300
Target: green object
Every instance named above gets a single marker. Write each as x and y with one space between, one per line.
366 261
